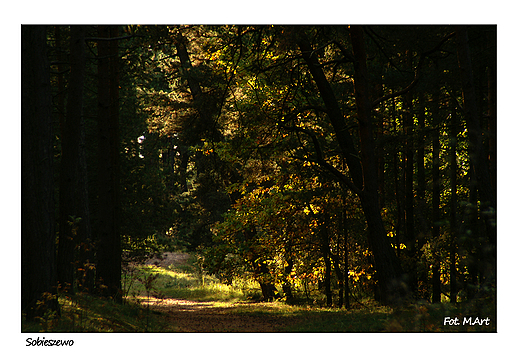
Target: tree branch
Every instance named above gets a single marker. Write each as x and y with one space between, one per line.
321 161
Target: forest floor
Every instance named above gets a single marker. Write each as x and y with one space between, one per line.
196 316
190 316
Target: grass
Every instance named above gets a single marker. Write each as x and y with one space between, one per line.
341 320
84 313
184 284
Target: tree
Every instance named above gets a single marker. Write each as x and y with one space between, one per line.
454 224
38 224
436 202
388 267
74 214
479 164
108 245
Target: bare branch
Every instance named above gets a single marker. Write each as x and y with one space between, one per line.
321 161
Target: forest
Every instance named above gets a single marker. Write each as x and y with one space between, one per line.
345 170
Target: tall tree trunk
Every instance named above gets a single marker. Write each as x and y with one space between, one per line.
492 114
454 226
470 244
74 216
108 226
60 95
436 194
411 269
38 221
479 162
423 228
389 272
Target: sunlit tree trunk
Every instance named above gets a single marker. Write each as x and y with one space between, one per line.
38 215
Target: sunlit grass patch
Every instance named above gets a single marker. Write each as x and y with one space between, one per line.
175 283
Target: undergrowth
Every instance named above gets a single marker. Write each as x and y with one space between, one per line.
86 313
186 282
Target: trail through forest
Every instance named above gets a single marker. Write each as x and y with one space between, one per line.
190 316
194 316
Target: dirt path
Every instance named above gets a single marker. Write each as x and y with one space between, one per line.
191 316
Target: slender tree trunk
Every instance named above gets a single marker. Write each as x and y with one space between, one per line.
454 225
492 115
470 244
60 96
74 218
286 287
436 193
344 225
339 275
423 229
108 227
399 228
325 250
346 257
38 220
409 192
